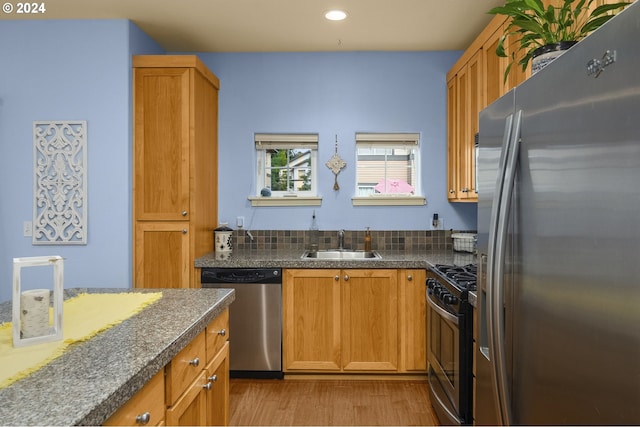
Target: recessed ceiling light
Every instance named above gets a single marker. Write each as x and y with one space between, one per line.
335 15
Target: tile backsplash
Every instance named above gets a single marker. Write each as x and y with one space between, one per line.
380 240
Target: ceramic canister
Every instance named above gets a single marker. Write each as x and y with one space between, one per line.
222 238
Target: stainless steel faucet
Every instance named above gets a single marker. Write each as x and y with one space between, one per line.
341 239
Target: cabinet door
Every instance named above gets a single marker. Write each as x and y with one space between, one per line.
494 66
471 105
161 166
145 407
218 389
190 408
370 320
162 255
452 139
413 320
311 305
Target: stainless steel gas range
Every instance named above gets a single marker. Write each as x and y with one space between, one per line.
450 342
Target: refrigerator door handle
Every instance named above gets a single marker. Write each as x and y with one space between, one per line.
493 226
496 300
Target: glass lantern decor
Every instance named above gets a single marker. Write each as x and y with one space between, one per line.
31 309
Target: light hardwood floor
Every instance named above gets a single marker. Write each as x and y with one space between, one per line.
330 402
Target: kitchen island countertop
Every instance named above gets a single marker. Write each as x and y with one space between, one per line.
92 379
291 258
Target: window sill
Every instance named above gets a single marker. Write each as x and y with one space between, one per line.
389 201
285 201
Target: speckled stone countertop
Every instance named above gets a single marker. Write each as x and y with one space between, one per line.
92 379
279 258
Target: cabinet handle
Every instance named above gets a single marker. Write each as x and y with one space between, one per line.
194 362
409 277
184 231
184 213
222 332
451 191
336 278
143 418
465 190
346 277
213 378
207 386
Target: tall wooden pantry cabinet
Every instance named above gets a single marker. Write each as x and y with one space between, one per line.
175 168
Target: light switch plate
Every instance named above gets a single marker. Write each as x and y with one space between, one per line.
27 229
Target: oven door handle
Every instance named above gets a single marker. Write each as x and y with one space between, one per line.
441 311
452 417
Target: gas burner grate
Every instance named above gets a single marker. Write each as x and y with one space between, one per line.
463 276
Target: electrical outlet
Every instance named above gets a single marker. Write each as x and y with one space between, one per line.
27 229
240 222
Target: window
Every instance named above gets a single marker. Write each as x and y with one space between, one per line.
387 169
286 169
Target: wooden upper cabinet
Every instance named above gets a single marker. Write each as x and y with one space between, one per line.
162 107
452 137
175 167
494 85
465 97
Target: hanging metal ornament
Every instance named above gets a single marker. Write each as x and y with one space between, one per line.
336 164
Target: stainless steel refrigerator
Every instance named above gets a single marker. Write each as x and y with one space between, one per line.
559 239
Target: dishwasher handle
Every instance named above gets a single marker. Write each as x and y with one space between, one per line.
240 275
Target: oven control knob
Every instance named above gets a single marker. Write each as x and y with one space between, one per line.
450 299
431 283
439 291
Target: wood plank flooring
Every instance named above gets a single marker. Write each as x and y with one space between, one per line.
330 402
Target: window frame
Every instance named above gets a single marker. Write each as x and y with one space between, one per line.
387 140
285 141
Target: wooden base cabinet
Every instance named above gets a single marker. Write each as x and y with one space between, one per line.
175 178
312 308
146 407
198 379
413 320
348 321
217 390
369 320
192 390
190 408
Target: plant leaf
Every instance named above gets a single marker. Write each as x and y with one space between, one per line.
594 24
607 8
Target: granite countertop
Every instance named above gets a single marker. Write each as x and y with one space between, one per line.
291 258
92 379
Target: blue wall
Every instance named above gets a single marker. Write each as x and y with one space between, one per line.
333 93
70 70
81 70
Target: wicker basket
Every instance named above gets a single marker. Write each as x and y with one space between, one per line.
464 242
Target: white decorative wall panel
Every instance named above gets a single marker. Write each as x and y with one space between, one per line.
60 183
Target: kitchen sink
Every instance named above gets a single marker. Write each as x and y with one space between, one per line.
340 254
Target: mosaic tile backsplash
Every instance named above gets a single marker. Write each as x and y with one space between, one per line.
328 239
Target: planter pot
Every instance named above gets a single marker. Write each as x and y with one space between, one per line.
546 54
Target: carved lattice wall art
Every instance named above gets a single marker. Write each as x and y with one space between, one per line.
60 183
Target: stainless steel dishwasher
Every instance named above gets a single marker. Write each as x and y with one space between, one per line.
255 319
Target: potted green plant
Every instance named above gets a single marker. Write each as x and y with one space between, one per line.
543 29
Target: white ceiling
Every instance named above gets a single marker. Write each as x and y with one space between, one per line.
288 25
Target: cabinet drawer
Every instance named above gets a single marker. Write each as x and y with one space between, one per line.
217 333
146 407
185 367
